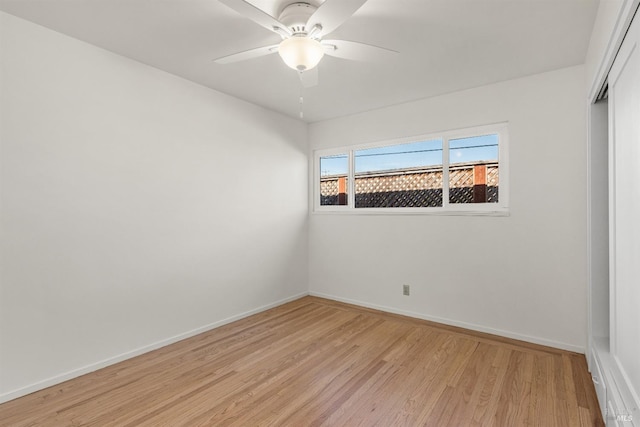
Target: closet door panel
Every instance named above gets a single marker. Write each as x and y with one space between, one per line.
624 113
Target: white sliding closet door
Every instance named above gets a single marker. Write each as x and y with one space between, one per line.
624 119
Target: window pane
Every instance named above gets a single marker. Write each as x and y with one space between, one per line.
333 180
473 169
403 175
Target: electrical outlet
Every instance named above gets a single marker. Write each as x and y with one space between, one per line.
406 290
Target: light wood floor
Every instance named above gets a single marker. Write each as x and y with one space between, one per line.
317 362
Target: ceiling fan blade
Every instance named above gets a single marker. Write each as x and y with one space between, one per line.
257 15
357 51
332 13
309 78
247 54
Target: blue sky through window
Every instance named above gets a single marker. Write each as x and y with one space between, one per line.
473 149
334 165
415 154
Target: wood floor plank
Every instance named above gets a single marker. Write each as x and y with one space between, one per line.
341 380
570 389
516 391
408 380
324 355
455 366
260 374
469 390
317 362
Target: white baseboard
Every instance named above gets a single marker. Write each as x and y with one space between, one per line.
465 325
57 379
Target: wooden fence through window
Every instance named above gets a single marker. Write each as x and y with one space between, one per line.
475 182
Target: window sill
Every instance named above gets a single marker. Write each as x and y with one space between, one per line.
413 211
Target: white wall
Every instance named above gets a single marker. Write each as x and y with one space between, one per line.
523 275
135 207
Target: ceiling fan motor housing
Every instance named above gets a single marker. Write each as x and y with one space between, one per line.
296 15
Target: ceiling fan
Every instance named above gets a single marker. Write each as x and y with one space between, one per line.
302 27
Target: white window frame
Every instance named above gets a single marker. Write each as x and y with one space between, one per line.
497 209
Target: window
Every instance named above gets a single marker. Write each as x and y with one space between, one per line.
457 171
333 180
473 169
399 175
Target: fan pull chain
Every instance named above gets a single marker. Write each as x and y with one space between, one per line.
301 103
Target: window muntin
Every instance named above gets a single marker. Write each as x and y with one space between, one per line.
396 166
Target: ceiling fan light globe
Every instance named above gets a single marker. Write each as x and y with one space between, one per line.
301 53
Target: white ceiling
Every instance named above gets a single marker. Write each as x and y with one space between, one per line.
444 45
